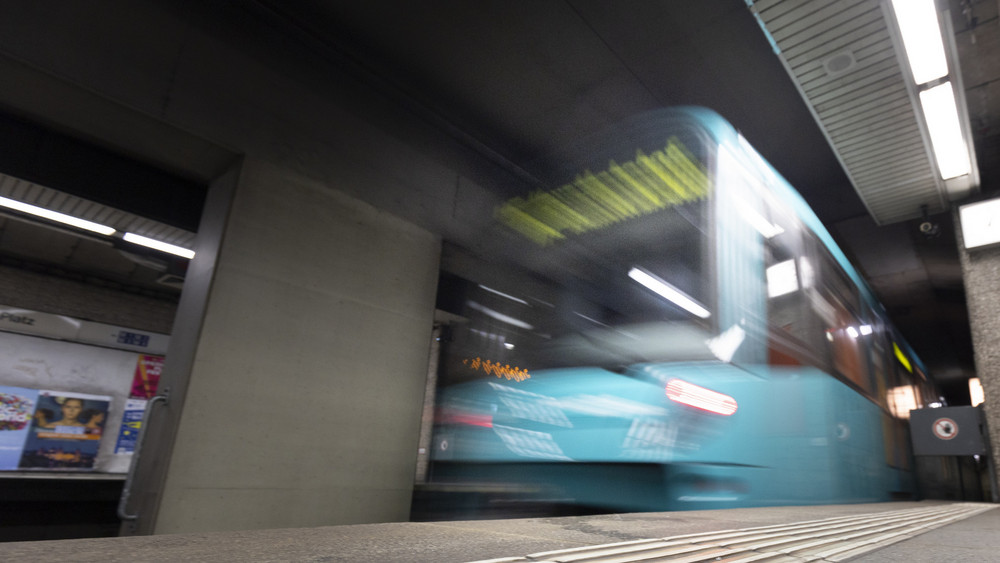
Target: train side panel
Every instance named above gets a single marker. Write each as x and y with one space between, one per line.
797 436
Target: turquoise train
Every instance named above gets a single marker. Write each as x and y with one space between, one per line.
669 327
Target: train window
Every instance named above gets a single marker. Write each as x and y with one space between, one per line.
578 302
846 330
795 332
880 364
902 400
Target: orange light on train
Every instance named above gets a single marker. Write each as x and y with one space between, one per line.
700 398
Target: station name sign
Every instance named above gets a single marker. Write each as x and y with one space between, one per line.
60 327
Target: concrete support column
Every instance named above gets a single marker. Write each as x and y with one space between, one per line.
299 395
981 274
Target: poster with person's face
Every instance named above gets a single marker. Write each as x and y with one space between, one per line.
17 405
65 432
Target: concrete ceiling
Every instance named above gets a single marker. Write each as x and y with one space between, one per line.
519 80
525 78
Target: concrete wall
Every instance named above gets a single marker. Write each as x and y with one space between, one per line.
296 374
981 274
304 402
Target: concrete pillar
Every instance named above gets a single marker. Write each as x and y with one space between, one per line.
302 407
981 274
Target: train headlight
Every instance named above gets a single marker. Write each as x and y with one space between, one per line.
700 398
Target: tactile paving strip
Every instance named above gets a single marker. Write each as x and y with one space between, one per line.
828 540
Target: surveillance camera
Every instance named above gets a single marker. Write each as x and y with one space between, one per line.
928 229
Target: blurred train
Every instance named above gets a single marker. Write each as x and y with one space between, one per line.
670 327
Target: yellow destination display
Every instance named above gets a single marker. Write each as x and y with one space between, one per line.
667 177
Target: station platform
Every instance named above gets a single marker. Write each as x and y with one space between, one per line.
898 531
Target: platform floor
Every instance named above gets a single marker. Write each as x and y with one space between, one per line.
974 538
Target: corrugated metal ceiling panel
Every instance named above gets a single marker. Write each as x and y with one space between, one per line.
841 55
27 192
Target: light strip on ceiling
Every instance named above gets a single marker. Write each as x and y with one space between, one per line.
158 245
920 29
56 216
941 114
668 292
918 24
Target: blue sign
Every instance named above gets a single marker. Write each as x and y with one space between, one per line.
131 425
133 338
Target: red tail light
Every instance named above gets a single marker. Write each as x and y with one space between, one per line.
700 398
453 416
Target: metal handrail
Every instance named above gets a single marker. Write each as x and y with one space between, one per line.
127 488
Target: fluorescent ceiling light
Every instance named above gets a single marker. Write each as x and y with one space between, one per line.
505 295
499 316
852 332
941 114
668 292
159 245
56 216
866 330
918 24
595 321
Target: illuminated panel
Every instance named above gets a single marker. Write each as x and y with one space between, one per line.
902 357
700 398
497 369
976 391
980 223
781 278
902 400
647 184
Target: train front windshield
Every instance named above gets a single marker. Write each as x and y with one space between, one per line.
610 268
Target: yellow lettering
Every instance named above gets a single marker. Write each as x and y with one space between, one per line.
667 177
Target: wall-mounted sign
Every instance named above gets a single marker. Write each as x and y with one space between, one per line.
947 431
147 376
24 321
131 425
944 428
66 430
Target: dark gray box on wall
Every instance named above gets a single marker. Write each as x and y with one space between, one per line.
947 431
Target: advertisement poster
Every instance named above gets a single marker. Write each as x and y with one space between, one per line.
17 405
131 425
147 376
65 431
